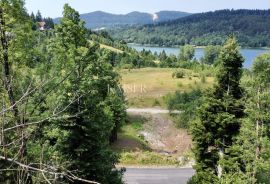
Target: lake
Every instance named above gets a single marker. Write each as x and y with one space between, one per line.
248 54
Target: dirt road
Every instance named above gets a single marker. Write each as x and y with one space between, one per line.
152 111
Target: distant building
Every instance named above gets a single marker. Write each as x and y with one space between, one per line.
41 26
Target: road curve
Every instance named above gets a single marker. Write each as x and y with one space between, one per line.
152 111
158 175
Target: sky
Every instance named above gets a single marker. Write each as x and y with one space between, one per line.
53 8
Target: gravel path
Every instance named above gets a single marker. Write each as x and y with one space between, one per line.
152 111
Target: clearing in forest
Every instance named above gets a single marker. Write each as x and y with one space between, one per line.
148 87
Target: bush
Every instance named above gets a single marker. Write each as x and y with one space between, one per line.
195 75
127 66
203 79
180 84
205 177
263 177
178 74
156 103
185 102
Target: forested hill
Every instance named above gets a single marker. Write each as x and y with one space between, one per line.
251 27
99 19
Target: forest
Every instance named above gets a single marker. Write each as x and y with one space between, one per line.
251 27
62 103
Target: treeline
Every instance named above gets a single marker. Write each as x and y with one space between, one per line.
251 27
61 102
229 123
49 24
128 58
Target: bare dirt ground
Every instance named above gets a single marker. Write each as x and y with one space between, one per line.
162 135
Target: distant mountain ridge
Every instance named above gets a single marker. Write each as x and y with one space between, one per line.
100 19
251 27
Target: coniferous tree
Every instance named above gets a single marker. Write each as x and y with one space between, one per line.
251 150
219 118
56 109
86 144
38 17
33 17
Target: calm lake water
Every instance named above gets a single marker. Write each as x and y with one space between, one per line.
248 54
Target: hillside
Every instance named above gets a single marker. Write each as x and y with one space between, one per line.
99 19
252 28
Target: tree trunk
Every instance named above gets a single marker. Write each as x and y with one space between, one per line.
113 136
258 126
221 156
7 81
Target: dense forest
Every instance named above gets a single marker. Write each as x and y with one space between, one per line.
251 27
61 102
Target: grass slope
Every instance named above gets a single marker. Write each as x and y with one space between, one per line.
148 87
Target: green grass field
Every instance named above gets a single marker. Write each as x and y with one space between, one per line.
147 87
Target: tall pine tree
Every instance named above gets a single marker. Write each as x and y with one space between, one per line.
85 144
219 117
253 143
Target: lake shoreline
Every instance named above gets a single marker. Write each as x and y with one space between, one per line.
195 46
249 54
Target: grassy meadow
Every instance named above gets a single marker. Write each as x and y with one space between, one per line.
148 87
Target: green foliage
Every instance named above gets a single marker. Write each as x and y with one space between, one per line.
251 28
148 158
156 103
203 177
178 74
186 102
263 176
120 55
16 49
203 79
49 24
62 92
219 115
186 53
99 110
211 54
252 144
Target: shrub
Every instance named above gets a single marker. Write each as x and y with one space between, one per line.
203 79
156 103
186 102
127 66
180 84
195 75
178 74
